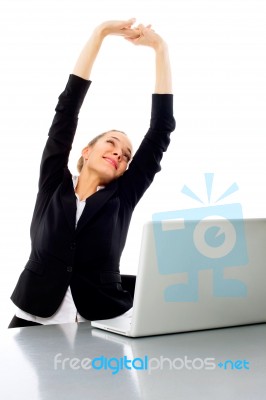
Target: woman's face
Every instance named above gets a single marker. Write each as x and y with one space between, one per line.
108 158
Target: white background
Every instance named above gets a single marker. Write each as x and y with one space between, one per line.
218 57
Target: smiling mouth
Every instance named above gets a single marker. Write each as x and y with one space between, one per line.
112 162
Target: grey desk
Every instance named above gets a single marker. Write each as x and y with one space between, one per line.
67 362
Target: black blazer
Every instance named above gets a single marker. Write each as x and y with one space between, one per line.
86 258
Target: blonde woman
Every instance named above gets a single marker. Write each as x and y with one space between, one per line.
80 223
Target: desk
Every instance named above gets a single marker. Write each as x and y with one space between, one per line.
55 362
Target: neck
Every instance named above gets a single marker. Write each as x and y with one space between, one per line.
87 185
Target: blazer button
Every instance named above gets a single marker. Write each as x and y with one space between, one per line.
69 268
72 246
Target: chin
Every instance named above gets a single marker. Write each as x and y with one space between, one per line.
107 176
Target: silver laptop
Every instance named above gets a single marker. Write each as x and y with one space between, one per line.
195 275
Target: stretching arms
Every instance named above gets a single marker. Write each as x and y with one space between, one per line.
140 35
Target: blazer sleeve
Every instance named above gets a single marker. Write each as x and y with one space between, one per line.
61 134
146 161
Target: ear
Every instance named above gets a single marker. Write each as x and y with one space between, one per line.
86 152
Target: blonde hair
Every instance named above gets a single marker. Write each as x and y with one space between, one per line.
91 144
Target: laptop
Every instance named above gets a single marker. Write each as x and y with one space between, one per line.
196 275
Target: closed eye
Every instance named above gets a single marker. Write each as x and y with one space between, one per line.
125 155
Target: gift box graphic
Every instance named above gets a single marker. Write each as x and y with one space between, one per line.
210 237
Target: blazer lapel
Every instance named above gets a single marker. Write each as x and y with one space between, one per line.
95 202
68 200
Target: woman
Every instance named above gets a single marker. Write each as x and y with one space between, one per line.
80 224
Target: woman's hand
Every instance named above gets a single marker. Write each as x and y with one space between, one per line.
146 36
119 28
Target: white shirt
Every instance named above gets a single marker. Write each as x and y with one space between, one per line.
67 311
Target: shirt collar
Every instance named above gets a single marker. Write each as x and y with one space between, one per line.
75 179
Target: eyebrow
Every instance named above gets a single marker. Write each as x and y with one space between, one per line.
113 137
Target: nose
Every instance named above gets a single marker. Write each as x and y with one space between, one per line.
118 153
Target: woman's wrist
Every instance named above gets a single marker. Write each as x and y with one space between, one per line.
100 32
103 30
160 46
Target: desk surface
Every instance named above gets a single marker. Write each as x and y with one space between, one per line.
75 361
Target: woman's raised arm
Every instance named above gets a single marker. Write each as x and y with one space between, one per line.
147 37
89 53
